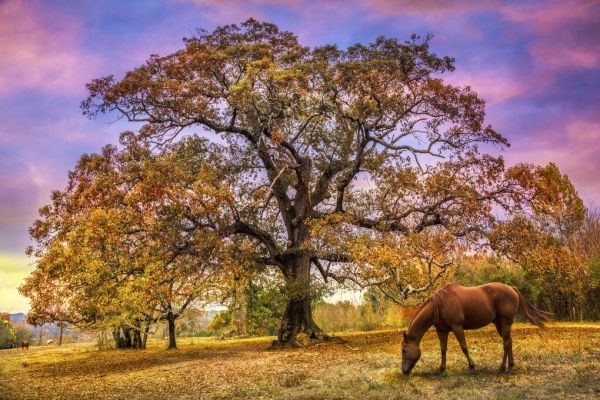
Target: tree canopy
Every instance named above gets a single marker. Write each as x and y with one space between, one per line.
115 247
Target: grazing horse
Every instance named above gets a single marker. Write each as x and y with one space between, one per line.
455 308
49 342
24 344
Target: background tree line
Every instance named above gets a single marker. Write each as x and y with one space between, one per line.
15 330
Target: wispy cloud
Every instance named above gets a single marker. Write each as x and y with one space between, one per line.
565 34
429 9
494 86
40 49
228 11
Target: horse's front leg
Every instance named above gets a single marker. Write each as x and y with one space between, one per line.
460 336
443 337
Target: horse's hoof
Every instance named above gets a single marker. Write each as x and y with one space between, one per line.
472 369
502 369
442 372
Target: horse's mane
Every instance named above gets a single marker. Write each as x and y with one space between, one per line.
435 299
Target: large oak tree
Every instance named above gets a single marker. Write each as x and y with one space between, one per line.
367 144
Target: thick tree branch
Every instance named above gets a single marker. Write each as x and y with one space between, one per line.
261 235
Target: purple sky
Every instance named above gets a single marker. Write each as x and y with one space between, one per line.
536 63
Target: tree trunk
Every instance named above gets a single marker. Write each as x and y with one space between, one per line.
117 337
172 339
127 334
137 339
241 322
297 317
145 336
60 337
40 337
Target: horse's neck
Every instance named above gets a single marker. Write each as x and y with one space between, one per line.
421 322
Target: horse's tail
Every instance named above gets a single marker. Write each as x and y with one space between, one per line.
532 314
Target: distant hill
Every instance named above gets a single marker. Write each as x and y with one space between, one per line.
52 329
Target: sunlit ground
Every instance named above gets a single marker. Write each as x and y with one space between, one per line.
561 362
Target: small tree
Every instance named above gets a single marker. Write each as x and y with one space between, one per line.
588 245
115 247
542 238
265 303
7 335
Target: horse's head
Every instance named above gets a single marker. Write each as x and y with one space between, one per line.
410 354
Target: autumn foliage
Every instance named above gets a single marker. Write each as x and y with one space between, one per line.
359 167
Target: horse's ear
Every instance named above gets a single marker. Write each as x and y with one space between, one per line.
404 335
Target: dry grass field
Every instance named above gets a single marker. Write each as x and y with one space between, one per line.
561 362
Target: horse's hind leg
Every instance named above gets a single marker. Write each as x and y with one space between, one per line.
499 324
508 340
443 337
460 336
503 326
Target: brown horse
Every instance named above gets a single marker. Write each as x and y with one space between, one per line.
24 344
455 308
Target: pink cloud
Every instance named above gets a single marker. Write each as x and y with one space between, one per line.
564 55
23 191
574 147
547 16
429 8
313 18
566 33
584 131
233 11
39 49
494 86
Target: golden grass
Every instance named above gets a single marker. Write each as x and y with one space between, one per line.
561 362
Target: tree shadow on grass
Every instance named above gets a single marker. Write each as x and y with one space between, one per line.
120 361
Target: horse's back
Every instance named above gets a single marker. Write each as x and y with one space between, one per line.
479 306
